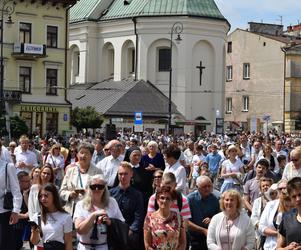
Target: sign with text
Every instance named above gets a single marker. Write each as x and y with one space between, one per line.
138 118
33 49
138 128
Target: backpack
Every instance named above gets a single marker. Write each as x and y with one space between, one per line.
179 202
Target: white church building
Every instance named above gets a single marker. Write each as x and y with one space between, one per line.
119 41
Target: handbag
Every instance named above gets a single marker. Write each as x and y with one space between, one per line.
8 196
54 245
118 233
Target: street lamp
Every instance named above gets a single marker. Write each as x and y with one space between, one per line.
8 8
177 28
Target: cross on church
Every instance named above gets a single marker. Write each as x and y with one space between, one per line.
201 68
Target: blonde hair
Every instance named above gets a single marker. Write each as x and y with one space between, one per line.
234 194
56 145
87 200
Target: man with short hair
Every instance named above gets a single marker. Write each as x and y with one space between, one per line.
25 159
278 150
98 154
180 205
290 226
251 188
171 156
130 203
213 160
24 182
109 165
204 205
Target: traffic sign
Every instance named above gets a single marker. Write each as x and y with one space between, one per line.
138 118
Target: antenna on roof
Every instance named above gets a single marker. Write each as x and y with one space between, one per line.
280 19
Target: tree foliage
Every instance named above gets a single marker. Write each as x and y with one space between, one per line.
86 118
18 127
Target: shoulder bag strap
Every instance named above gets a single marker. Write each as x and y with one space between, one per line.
53 162
6 177
80 178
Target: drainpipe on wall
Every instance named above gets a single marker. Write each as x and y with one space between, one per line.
284 77
136 48
66 60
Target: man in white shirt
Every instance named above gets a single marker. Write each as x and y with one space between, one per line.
25 159
172 155
278 150
8 217
109 165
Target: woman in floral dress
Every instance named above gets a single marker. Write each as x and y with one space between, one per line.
164 229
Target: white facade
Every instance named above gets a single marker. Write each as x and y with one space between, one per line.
107 49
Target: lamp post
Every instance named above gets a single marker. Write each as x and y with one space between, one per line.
177 28
7 7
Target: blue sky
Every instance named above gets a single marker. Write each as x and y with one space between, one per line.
240 12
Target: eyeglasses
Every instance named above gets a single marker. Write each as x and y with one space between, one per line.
158 177
97 187
106 149
164 198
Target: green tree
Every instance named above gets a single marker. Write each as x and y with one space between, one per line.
86 118
18 127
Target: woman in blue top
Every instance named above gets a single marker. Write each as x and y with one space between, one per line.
153 160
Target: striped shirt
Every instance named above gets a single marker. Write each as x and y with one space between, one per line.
185 212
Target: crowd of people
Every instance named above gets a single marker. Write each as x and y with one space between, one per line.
238 192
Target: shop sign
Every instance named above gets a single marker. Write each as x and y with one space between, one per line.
29 108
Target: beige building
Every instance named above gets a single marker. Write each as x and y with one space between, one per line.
255 72
35 50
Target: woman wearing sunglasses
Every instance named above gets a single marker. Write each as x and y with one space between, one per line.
92 215
53 225
164 229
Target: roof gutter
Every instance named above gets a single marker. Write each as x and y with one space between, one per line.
134 19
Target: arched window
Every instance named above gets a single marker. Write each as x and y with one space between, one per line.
164 59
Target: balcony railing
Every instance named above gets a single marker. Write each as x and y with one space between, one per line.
29 50
12 95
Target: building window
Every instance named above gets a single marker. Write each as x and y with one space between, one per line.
51 82
25 33
25 79
164 59
245 102
27 117
246 70
52 32
52 123
229 47
229 73
228 105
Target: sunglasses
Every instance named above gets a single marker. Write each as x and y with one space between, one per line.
164 198
106 149
97 187
158 177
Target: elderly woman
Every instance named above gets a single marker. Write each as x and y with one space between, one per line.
94 213
46 176
54 231
272 216
293 168
232 170
232 228
56 160
76 177
153 160
164 229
